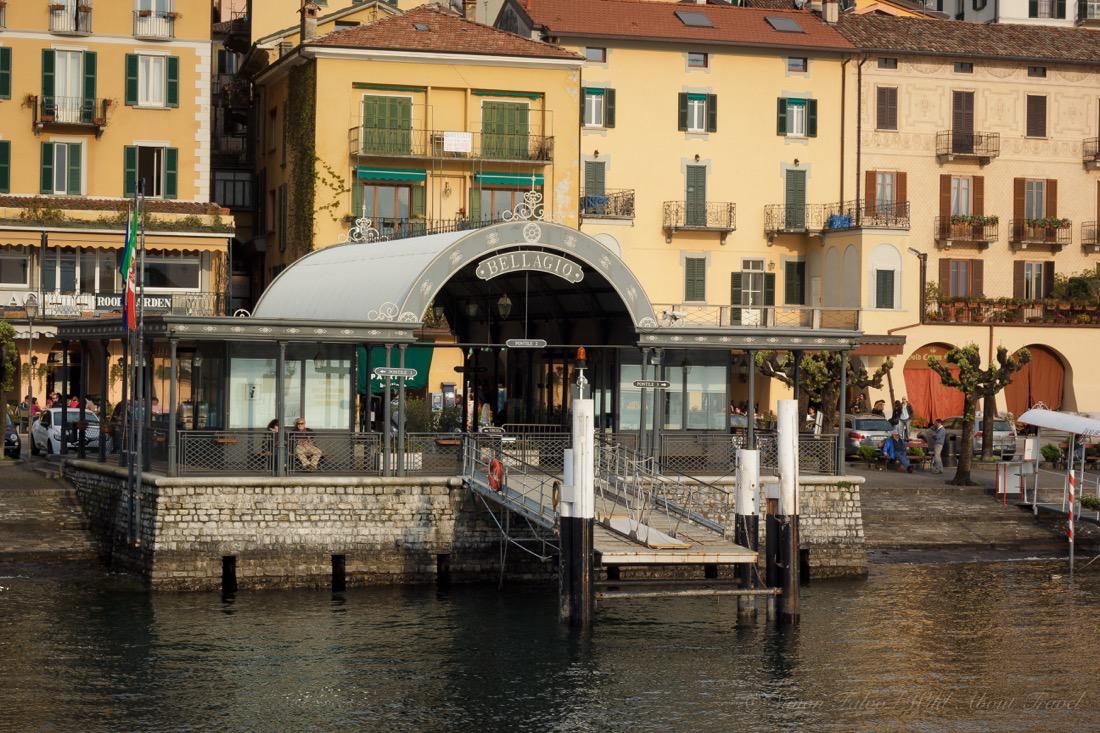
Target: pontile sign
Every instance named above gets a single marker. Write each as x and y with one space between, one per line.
551 264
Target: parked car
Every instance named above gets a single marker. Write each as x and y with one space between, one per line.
1004 436
868 430
12 447
46 431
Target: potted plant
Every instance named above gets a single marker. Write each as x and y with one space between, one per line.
145 13
867 454
173 15
54 7
84 7
1052 454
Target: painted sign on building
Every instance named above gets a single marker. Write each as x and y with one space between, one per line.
547 262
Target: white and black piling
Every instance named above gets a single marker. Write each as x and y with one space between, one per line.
747 521
578 510
788 543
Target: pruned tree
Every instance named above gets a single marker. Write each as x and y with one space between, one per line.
819 377
9 363
975 383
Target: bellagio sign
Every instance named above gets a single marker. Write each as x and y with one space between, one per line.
551 264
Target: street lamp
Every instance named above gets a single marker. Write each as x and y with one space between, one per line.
30 306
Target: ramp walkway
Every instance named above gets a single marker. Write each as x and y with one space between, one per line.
642 517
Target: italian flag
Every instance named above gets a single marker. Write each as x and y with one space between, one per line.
126 267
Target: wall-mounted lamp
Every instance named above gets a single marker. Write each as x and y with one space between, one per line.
504 307
796 162
595 153
697 157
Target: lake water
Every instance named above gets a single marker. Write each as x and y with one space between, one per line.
927 647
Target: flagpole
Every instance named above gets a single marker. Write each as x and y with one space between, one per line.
142 398
127 437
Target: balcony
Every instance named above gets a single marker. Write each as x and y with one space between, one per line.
980 146
75 114
406 228
232 147
782 219
1050 231
611 204
1088 13
711 216
1091 153
1089 240
155 24
71 19
680 315
372 142
972 230
859 215
1013 311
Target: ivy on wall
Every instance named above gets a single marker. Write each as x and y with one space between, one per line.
301 145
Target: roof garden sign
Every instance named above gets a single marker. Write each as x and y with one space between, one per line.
533 260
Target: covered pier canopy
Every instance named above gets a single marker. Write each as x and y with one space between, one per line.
1064 421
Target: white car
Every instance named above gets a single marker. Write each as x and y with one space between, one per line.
46 431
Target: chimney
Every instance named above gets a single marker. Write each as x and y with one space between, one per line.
310 10
469 10
830 11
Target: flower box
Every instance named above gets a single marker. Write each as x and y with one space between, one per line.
173 15
145 13
56 6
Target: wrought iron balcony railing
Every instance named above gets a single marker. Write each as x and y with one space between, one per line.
1091 152
234 145
70 112
392 228
717 216
1088 13
860 214
983 146
1049 231
158 24
979 230
611 204
72 19
1089 240
681 315
106 305
783 219
419 143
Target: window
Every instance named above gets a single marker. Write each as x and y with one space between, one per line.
229 62
62 168
959 284
5 68
14 270
59 271
1046 9
698 60
1036 115
233 189
282 217
595 54
282 152
697 112
151 79
1034 281
172 273
886 108
694 19
960 195
272 210
593 107
695 279
272 129
884 288
798 64
151 169
796 117
794 283
385 203
887 63
884 189
752 282
1038 72
1035 199
342 25
5 166
496 201
964 67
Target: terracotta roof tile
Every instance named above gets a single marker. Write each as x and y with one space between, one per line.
446 33
898 35
738 26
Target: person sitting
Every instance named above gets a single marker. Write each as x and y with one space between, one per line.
305 450
894 450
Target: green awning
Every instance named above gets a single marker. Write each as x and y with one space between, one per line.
697 97
364 173
416 357
594 91
509 179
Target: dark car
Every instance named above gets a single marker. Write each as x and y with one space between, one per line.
13 448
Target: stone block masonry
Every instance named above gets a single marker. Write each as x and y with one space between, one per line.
283 532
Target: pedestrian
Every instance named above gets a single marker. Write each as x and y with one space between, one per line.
858 405
879 408
939 438
74 402
305 450
895 414
35 409
155 408
905 418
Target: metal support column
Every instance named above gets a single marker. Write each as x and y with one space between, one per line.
280 410
124 400
64 391
797 356
658 411
353 395
104 385
841 415
82 430
173 370
401 413
750 430
387 430
642 411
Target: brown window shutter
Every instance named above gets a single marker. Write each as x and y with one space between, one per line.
1018 205
978 195
945 275
945 197
1052 197
869 180
1048 279
901 188
1018 278
977 278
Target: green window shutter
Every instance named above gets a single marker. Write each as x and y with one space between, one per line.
72 183
735 297
417 204
357 199
129 169
712 113
5 73
171 172
884 288
696 196
781 116
131 79
695 279
1033 8
5 166
1060 9
609 108
682 112
475 204
47 78
593 178
87 106
172 81
47 168
811 117
584 101
794 288
769 288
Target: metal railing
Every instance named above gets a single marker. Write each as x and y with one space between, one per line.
71 111
758 316
1012 311
977 229
859 214
1089 235
611 204
952 143
334 452
77 305
1091 151
816 454
1057 232
420 143
528 428
715 453
155 23
75 19
405 228
544 450
226 452
780 218
528 489
714 215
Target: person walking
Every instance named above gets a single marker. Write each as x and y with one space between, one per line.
905 418
939 439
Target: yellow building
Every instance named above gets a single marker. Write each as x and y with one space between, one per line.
995 157
96 98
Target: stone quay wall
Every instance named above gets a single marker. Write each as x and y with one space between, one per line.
284 532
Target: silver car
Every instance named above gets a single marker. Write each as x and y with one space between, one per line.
1004 436
869 430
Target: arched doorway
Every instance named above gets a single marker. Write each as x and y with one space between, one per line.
1041 380
926 393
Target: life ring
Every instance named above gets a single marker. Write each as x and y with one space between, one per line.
496 474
